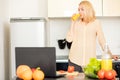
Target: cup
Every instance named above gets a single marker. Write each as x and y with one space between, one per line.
61 43
69 44
75 16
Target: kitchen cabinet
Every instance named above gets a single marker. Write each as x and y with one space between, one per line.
65 8
111 7
27 8
61 66
97 5
61 63
62 8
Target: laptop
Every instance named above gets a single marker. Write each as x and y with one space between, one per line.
43 57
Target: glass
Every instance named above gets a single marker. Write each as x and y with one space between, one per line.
75 16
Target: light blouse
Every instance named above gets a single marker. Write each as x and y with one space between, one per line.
83 37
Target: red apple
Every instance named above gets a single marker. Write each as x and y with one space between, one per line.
70 69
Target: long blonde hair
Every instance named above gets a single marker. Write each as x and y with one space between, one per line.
89 11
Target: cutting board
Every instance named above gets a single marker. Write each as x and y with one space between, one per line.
75 73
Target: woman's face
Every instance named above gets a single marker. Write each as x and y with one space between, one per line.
81 11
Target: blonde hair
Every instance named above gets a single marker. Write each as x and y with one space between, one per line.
89 11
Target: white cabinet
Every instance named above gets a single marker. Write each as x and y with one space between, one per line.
62 8
97 5
28 8
65 8
111 7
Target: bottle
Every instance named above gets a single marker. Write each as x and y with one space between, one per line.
75 17
106 62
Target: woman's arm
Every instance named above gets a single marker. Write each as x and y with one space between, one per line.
70 33
102 40
100 35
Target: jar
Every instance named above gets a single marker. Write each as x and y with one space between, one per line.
106 62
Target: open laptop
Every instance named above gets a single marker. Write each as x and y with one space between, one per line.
43 57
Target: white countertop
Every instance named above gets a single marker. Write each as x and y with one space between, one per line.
62 61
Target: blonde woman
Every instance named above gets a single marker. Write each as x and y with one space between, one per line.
83 33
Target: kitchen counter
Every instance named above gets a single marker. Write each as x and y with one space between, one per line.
61 59
80 76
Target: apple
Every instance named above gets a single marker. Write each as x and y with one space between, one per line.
71 69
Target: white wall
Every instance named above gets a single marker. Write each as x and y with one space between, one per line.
111 29
28 8
2 64
4 11
58 30
4 55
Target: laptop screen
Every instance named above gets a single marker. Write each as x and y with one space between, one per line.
43 57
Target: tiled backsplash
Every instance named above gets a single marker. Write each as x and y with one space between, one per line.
111 27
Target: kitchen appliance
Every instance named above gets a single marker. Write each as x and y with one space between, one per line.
25 32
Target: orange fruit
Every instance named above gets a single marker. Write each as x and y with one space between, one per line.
27 75
22 69
38 74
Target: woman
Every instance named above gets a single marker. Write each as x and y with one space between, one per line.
83 33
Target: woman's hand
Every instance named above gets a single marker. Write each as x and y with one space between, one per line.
115 57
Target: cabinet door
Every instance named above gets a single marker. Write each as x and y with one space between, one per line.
62 8
97 5
111 7
65 8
